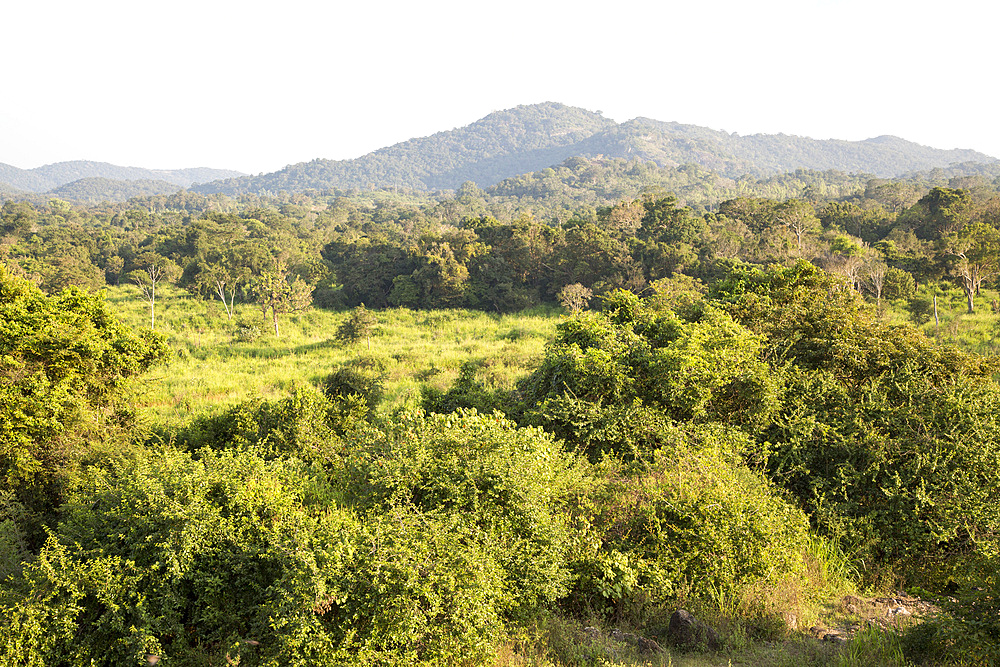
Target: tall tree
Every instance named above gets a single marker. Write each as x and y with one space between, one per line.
152 269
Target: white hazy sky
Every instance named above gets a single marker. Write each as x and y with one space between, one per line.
255 86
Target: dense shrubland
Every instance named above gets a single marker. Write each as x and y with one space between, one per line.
742 415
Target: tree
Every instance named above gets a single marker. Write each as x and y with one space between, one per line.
221 273
798 216
277 290
975 255
874 273
151 269
65 367
575 297
359 324
940 212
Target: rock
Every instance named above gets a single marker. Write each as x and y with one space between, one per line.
683 628
835 636
687 632
643 644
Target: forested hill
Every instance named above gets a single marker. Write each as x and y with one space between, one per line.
732 155
531 138
96 190
503 144
52 176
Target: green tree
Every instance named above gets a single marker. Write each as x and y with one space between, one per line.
359 324
799 217
278 290
222 273
974 252
65 367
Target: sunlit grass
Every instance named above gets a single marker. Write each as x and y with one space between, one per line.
977 332
210 369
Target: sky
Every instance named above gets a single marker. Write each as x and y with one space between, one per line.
255 86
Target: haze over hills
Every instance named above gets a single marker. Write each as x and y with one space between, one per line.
530 138
52 176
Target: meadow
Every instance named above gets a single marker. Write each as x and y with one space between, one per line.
977 332
217 363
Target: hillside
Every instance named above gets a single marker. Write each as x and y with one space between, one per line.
531 138
96 190
52 176
502 144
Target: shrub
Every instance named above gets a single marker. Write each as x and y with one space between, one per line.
468 391
66 367
306 424
181 558
690 518
363 378
510 483
247 332
359 324
703 368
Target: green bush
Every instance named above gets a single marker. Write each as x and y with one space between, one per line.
690 519
66 368
903 467
469 391
705 368
306 425
363 378
510 483
182 558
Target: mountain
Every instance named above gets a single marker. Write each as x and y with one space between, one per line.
504 143
531 138
96 190
52 176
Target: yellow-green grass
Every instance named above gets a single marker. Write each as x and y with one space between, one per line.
977 332
210 369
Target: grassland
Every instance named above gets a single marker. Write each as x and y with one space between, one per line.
212 367
977 332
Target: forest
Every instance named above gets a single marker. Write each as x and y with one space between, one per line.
515 425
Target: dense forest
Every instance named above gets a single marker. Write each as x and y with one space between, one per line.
737 414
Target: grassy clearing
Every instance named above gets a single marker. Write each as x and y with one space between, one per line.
211 369
977 332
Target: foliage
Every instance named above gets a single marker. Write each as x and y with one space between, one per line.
690 519
470 390
204 558
575 297
507 482
703 367
967 629
885 437
362 378
66 363
306 424
359 324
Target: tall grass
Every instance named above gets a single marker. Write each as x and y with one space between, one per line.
211 368
977 332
